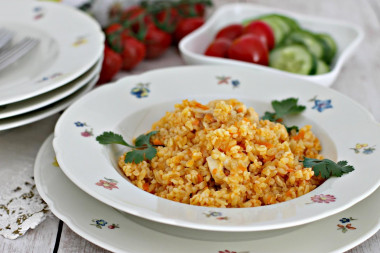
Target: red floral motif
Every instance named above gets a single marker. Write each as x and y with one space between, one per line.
322 198
346 228
87 133
108 183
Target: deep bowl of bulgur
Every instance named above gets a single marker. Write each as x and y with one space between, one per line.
222 155
218 165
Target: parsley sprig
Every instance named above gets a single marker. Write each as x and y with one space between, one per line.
142 149
283 108
327 168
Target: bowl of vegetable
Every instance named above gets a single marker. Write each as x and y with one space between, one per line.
304 47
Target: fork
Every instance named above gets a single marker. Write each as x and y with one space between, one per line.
17 51
5 37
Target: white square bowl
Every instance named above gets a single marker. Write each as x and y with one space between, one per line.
346 35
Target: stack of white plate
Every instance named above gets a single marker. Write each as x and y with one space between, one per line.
65 64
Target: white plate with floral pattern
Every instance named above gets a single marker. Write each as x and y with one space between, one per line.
65 51
44 112
130 106
120 232
31 104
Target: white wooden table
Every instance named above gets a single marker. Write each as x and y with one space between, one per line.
359 79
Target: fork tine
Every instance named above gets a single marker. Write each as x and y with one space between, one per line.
5 37
17 51
20 45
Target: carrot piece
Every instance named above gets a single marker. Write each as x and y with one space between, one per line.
242 168
209 117
214 171
266 144
299 136
199 105
146 187
196 122
157 142
240 109
200 178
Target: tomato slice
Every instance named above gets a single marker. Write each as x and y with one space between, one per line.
231 32
219 48
249 48
263 30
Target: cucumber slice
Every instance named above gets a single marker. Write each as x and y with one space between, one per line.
331 44
293 58
309 40
278 31
281 22
322 67
292 23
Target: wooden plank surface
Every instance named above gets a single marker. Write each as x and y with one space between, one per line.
359 79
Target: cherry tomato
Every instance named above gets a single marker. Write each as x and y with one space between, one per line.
186 26
112 64
249 48
219 48
263 30
231 32
167 19
133 52
135 17
192 10
156 42
113 35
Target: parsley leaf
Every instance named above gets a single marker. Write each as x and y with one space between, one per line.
286 107
112 138
142 150
289 129
282 108
327 168
144 139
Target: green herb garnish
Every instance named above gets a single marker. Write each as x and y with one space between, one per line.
327 168
142 149
282 108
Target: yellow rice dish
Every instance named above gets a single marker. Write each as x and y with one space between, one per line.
222 155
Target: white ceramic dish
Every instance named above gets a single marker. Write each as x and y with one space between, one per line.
50 97
131 105
121 232
48 110
347 36
66 49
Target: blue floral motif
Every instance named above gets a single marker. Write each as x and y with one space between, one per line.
368 151
80 124
321 105
364 148
235 83
344 220
99 223
141 90
216 215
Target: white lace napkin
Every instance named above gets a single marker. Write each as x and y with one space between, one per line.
21 207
